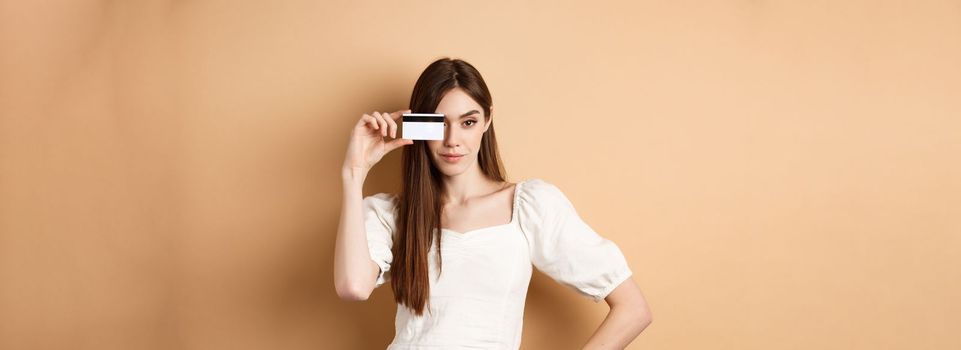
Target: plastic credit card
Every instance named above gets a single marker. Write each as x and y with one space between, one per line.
423 126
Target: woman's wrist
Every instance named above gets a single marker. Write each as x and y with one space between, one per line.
354 175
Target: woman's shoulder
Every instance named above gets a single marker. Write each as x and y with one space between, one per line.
542 205
539 192
382 196
382 203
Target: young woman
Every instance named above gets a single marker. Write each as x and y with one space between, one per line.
455 196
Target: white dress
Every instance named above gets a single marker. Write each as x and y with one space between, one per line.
478 300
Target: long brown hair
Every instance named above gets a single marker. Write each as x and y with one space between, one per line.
420 202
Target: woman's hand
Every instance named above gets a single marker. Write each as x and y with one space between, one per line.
367 145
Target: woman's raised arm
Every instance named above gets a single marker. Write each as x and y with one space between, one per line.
355 273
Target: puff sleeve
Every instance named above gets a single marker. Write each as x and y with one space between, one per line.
564 247
379 224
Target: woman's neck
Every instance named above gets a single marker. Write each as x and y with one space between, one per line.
462 187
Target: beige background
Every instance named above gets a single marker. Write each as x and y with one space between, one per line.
780 174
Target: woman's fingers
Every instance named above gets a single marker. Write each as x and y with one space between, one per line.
383 118
394 116
370 120
382 123
399 113
376 121
393 127
393 144
385 123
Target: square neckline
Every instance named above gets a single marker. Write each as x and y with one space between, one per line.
517 189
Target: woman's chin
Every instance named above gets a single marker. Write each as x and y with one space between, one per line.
452 169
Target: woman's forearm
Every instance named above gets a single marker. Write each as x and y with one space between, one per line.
354 271
622 324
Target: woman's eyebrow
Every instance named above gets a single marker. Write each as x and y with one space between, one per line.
469 113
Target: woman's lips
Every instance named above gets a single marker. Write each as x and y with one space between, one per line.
451 158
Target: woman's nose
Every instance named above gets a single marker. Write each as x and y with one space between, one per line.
450 137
